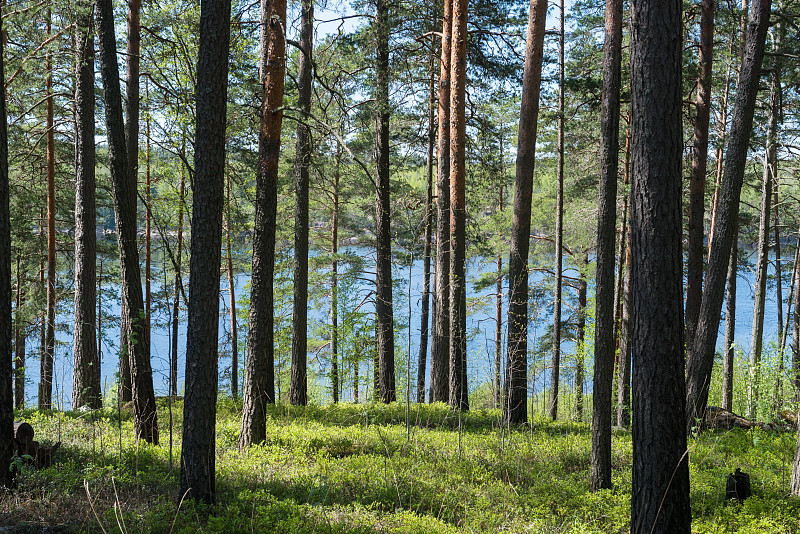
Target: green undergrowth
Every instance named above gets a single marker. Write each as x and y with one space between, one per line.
361 469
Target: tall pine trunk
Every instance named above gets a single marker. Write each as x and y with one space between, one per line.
426 262
440 348
458 214
298 387
6 399
516 391
259 383
198 453
556 365
604 345
46 376
660 481
335 380
383 277
697 185
86 375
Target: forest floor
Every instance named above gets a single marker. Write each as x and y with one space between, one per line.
360 469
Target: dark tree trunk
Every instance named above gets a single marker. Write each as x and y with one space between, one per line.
86 375
6 395
581 341
660 481
298 387
199 413
46 376
796 333
132 148
730 322
383 277
762 261
144 405
458 215
556 366
426 262
516 391
796 467
440 348
624 375
777 391
604 346
19 344
231 296
700 359
178 287
697 187
335 380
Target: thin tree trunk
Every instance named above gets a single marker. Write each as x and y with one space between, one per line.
730 322
516 391
144 406
762 262
621 250
6 396
440 348
231 296
777 393
458 215
626 332
335 283
178 283
383 277
581 341
426 262
198 453
498 302
660 482
86 374
298 387
604 346
694 264
796 330
556 366
259 384
719 155
19 345
700 359
46 380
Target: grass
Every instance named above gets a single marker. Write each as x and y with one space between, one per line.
355 469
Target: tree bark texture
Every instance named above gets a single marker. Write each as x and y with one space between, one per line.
700 359
796 467
383 277
46 375
581 337
697 182
178 287
604 345
86 390
458 214
440 347
335 380
624 373
555 368
144 406
19 344
516 394
422 358
6 394
231 295
730 323
660 480
298 386
199 414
